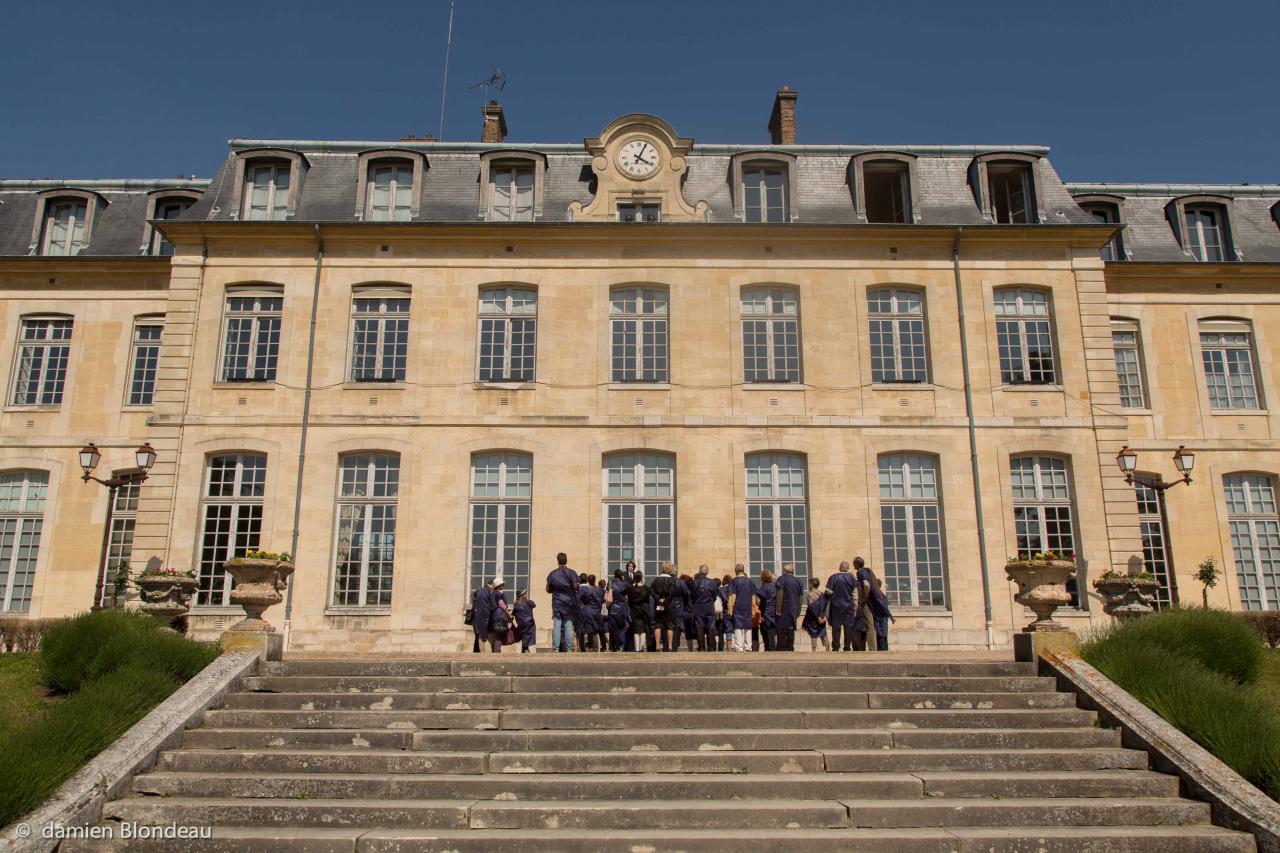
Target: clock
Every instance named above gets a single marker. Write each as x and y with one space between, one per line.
638 158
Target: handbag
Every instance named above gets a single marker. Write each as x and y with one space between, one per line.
469 616
501 621
718 606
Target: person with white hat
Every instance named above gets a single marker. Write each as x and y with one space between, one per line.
491 619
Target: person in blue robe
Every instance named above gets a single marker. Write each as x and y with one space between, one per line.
619 611
815 616
790 595
705 590
742 593
842 601
768 598
526 628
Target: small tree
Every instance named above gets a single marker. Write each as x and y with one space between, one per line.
1207 575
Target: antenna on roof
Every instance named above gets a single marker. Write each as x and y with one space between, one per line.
444 86
496 80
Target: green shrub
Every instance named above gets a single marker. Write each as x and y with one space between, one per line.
37 757
1217 639
92 645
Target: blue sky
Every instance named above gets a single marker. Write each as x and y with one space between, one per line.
1126 90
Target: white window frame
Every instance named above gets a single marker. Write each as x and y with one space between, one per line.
1004 171
398 191
764 210
778 325
1254 528
278 199
910 488
389 330
52 358
244 530
896 325
76 222
643 485
1195 232
1049 495
1153 526
512 208
639 332
1131 374
259 365
144 361
375 512
1223 395
776 502
513 309
21 531
513 511
1024 321
124 519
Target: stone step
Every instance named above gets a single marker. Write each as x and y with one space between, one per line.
348 760
1013 839
868 665
660 814
764 777
673 700
604 682
664 720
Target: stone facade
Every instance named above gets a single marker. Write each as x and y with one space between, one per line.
837 418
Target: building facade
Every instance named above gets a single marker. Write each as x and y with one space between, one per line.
416 365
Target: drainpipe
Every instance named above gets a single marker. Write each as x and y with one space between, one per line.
973 440
302 439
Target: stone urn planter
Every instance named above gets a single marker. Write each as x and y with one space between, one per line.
1042 586
165 596
259 583
1126 596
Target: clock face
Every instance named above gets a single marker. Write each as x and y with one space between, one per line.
638 158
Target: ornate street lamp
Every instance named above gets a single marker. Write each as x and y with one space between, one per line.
1184 460
145 456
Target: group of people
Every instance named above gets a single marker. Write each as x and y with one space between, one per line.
627 614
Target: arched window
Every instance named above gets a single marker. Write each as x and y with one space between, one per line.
639 510
898 340
22 500
365 546
266 190
508 334
234 490
770 335
40 368
1255 538
1043 514
884 190
1024 334
638 317
501 519
1226 350
379 333
777 513
251 334
911 530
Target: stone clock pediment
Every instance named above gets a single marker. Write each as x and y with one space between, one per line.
664 185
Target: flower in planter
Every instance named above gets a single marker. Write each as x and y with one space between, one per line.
168 572
282 557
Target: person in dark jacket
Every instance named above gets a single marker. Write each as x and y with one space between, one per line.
726 615
686 612
585 626
768 603
619 611
880 607
815 616
864 621
666 610
640 600
488 624
526 629
704 608
742 594
790 595
630 643
602 623
562 583
842 599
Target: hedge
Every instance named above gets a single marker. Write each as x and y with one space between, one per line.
23 635
1266 623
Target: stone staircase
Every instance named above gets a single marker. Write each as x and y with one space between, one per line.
652 753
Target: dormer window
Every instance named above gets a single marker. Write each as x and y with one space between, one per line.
1005 186
65 228
764 193
639 211
1202 235
390 192
266 190
884 187
512 192
1107 213
170 207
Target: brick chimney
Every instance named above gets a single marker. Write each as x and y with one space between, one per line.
782 121
495 125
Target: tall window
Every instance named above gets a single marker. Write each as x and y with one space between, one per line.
1227 354
365 551
886 189
897 335
508 334
379 338
501 515
1155 549
1129 368
770 336
65 227
40 370
167 208
1255 539
124 518
1106 213
1042 515
512 192
764 194
390 191
1024 335
639 510
777 514
639 321
251 343
22 498
266 190
911 530
235 485
1202 234
143 361
1012 199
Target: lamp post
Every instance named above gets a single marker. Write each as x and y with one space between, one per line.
1184 460
145 457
